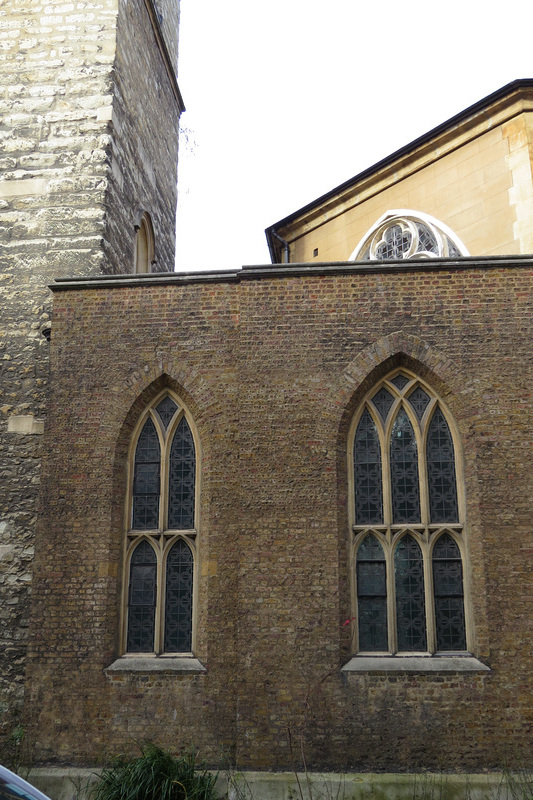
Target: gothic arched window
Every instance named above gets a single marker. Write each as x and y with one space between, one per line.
161 532
403 234
144 245
408 539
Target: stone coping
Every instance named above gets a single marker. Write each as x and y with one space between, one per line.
156 664
294 270
415 664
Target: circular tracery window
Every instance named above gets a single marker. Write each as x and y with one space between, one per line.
403 234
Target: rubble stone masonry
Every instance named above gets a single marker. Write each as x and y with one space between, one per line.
81 84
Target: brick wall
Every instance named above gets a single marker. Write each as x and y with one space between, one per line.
272 365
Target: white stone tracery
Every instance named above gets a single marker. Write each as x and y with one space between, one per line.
403 234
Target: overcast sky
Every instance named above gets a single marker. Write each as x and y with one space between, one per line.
287 99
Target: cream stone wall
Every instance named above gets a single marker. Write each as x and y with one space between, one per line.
481 188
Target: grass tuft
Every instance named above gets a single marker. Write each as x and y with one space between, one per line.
154 775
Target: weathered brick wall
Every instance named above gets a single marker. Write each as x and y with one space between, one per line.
61 74
272 368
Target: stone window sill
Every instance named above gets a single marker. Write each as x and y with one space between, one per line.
414 664
156 664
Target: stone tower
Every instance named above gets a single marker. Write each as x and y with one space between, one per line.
89 110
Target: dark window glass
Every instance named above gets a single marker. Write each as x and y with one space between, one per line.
372 596
181 479
448 589
441 471
410 601
419 399
178 599
400 381
166 410
404 471
146 480
383 401
142 598
367 473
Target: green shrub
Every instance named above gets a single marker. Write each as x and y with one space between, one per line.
154 775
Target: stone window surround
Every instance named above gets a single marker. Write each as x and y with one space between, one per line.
162 540
144 256
408 219
389 660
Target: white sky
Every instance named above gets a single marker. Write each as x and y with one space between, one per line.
286 99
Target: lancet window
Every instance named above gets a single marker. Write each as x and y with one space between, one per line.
161 532
408 534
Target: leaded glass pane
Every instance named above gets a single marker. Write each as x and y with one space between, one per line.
181 480
400 381
404 471
372 596
142 599
146 471
395 243
178 599
448 589
166 410
410 600
440 461
419 399
383 401
367 473
427 241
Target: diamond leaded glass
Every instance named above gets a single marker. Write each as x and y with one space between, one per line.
427 241
419 399
367 473
178 599
181 480
440 459
383 401
146 480
410 600
372 596
404 471
142 598
394 244
400 381
166 410
448 589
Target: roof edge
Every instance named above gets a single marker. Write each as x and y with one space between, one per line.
472 111
275 271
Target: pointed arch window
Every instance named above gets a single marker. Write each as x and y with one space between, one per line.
404 234
144 254
408 535
161 536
